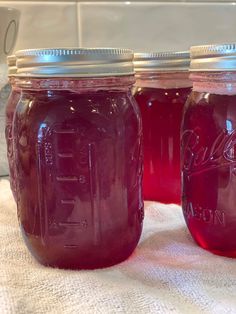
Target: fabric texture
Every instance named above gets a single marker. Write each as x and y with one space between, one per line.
167 273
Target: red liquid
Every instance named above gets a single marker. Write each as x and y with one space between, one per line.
209 171
10 110
80 174
161 111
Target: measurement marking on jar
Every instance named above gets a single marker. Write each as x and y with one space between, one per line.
43 211
82 224
48 153
67 179
71 201
65 155
94 193
71 246
65 131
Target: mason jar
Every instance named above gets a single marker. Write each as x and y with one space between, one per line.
161 90
209 149
78 142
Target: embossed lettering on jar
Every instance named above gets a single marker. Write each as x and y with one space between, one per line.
162 88
10 110
78 139
209 151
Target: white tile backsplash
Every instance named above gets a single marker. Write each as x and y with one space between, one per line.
42 24
139 25
143 26
46 24
156 26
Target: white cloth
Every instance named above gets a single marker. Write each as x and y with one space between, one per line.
167 273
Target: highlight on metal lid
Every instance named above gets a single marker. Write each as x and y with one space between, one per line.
216 57
74 62
162 61
11 62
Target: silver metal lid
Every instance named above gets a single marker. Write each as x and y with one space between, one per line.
162 61
11 62
74 62
220 57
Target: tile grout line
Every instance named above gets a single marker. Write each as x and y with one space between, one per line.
79 24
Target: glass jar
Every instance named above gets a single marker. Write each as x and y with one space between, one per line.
208 149
78 141
162 88
9 113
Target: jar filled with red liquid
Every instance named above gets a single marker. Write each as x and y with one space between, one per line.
78 148
10 110
162 88
209 149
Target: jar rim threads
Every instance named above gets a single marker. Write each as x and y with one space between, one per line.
215 57
74 62
174 61
11 62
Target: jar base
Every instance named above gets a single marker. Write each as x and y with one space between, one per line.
163 199
230 254
87 266
225 253
99 257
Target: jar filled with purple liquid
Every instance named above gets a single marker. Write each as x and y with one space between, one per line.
209 149
78 141
161 90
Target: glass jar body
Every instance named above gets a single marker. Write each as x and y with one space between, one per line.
9 114
161 98
208 153
79 160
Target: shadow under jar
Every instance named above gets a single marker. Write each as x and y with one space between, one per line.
209 149
161 90
79 156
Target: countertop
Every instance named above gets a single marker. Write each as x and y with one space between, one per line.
167 273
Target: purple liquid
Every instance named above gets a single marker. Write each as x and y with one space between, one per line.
79 176
209 171
161 111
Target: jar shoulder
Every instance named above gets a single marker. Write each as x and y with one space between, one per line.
87 101
102 111
211 108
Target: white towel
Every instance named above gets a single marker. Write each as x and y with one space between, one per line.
167 273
